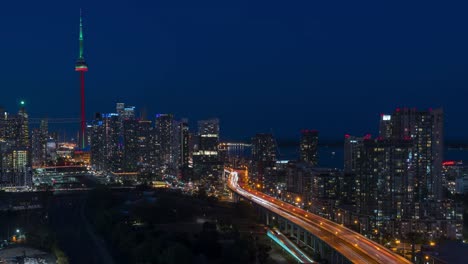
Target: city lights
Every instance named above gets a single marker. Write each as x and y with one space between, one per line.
235 130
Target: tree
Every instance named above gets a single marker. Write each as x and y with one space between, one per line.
60 255
208 243
263 252
414 238
202 193
176 253
245 210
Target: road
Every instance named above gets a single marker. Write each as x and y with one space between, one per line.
287 245
353 246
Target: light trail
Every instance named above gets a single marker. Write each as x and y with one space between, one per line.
287 245
353 246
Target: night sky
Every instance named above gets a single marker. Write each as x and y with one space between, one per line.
259 66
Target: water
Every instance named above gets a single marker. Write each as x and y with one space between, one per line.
333 157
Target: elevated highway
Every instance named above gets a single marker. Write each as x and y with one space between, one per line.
333 241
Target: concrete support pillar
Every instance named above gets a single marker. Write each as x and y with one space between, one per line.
320 248
298 236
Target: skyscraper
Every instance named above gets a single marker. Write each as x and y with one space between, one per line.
125 112
208 127
15 149
164 132
309 146
264 148
385 127
425 129
106 142
353 151
206 159
398 177
184 143
131 147
144 144
384 181
23 127
39 138
264 159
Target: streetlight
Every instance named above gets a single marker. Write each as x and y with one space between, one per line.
298 200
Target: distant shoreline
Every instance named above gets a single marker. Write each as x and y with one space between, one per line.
450 144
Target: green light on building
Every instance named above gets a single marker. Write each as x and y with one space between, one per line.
22 102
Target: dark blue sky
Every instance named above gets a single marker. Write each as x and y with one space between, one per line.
259 66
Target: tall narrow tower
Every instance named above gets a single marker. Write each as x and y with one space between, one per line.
82 67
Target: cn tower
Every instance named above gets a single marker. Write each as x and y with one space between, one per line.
82 67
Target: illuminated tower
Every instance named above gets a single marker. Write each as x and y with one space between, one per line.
82 67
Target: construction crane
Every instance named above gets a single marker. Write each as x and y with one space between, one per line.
64 120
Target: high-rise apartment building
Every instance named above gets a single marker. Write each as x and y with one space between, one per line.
264 159
131 147
353 152
383 180
206 158
184 156
23 127
398 176
425 129
264 148
15 149
107 142
385 126
144 135
208 127
165 135
309 146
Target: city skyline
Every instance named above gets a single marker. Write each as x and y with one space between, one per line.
243 132
172 63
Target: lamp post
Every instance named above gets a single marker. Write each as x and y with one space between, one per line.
298 200
358 225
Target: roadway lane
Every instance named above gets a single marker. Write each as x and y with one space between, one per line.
289 246
350 244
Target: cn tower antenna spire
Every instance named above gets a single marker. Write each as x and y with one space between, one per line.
81 36
82 67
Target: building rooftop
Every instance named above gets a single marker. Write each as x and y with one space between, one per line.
452 252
